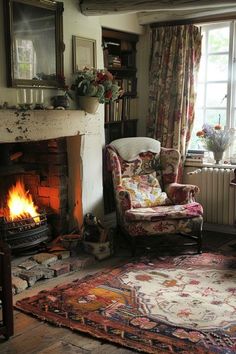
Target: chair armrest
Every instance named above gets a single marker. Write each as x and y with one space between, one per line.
123 199
182 193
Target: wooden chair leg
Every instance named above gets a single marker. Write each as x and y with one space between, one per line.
199 242
133 246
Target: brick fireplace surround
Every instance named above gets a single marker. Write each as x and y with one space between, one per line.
65 151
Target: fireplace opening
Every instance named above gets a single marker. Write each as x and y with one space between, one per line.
22 225
38 172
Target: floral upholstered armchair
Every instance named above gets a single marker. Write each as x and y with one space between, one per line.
149 201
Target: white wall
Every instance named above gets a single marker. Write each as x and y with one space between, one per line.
126 23
74 23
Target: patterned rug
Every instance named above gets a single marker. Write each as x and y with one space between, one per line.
184 304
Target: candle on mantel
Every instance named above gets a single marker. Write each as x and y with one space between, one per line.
21 96
29 96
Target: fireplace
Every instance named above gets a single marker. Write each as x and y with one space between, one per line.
57 155
35 176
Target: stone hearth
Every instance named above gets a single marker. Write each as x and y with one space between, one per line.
29 270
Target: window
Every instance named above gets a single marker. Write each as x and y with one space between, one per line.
25 59
216 88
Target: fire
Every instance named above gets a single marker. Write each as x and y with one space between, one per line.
20 203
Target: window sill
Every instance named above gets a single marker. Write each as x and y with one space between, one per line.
204 164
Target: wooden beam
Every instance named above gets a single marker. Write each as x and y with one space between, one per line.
193 16
103 7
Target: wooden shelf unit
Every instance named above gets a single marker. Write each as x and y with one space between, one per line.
119 49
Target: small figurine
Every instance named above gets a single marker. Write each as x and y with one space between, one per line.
93 230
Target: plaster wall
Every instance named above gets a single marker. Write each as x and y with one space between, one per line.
125 22
89 169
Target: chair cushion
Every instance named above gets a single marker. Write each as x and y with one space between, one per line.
145 191
183 211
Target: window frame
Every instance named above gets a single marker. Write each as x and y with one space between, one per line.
230 108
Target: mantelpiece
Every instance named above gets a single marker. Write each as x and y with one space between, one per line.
35 125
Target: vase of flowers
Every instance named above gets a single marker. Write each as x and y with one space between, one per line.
92 85
216 139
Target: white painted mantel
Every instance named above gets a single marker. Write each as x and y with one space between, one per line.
20 126
84 134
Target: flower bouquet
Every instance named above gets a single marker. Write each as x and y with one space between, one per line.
96 83
216 139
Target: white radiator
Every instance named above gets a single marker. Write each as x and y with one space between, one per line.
217 197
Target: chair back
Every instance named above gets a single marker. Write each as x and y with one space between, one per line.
142 156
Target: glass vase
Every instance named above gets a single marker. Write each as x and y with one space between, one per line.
218 156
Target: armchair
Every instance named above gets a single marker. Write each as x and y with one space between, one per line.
148 199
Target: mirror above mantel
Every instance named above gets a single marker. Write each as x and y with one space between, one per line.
34 43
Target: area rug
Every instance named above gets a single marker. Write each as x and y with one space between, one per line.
184 304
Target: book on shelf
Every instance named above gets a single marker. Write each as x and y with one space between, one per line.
127 85
124 108
114 61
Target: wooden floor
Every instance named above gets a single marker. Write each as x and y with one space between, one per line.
34 336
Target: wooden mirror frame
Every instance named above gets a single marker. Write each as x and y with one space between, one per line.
59 45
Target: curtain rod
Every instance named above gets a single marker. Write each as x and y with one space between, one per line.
193 21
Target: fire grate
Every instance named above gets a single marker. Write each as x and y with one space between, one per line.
24 233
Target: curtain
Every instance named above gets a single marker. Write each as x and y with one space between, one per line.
174 63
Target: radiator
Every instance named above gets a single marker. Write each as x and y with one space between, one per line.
217 197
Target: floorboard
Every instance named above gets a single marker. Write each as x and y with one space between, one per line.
33 336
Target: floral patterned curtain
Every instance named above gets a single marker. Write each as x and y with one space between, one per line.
174 63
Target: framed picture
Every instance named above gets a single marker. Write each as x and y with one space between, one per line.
84 53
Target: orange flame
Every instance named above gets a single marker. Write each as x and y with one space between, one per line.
20 203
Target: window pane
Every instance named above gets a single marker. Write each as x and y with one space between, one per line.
200 95
203 43
217 68
202 68
234 118
198 123
215 116
215 77
216 95
218 40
